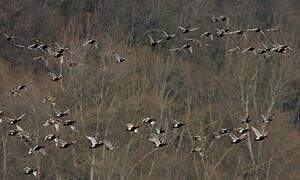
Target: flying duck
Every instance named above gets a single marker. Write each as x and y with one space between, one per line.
43 47
159 142
153 42
91 42
109 145
249 49
60 114
148 120
246 120
168 36
50 137
236 140
198 150
95 143
13 121
18 90
233 49
29 171
131 127
208 34
197 42
159 129
119 59
61 49
224 131
272 30
259 136
213 19
8 37
267 118
257 30
242 130
33 47
187 29
55 77
239 32
221 32
188 47
64 144
52 121
176 124
39 149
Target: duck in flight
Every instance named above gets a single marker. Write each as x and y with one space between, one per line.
176 124
91 42
187 29
148 120
29 171
38 149
55 77
95 143
158 142
235 139
168 36
8 37
131 127
153 42
119 59
13 121
258 135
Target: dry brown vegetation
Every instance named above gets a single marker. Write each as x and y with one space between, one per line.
208 91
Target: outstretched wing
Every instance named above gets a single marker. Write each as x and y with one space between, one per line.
43 151
20 117
118 57
155 141
256 132
19 128
53 76
182 28
242 136
6 35
67 111
56 110
194 29
191 49
165 33
108 144
233 137
86 43
60 141
92 139
151 39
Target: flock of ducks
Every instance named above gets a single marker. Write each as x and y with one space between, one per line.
190 43
157 133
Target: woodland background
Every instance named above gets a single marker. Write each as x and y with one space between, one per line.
208 90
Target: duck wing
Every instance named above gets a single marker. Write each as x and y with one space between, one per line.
256 132
92 139
233 137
